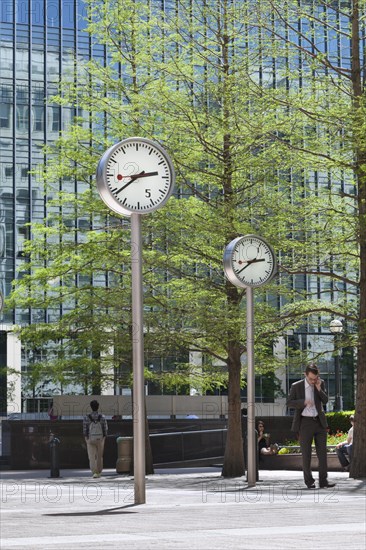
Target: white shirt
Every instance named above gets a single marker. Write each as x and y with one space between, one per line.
350 436
309 396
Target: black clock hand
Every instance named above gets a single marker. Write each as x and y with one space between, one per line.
134 177
146 175
250 262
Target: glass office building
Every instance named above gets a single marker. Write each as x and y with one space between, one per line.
36 38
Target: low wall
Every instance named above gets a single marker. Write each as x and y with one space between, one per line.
26 444
294 462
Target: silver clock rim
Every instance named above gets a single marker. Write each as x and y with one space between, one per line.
102 185
228 267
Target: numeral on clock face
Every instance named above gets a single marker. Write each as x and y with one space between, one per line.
135 175
249 261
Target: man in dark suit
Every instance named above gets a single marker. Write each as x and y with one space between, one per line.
307 397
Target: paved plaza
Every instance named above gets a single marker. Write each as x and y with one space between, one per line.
186 509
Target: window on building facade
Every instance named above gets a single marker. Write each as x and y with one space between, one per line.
9 171
22 118
38 119
5 114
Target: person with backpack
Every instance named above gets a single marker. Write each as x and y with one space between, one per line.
95 430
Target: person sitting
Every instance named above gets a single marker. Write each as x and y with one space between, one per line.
264 447
344 449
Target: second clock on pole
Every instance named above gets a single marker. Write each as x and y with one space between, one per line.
250 262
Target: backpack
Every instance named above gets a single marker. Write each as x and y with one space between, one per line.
95 428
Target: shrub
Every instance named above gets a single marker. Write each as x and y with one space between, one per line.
339 421
290 442
332 439
336 438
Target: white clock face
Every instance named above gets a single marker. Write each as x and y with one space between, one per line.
249 261
135 175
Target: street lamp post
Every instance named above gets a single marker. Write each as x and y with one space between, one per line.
336 328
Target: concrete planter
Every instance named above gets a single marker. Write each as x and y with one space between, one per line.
294 462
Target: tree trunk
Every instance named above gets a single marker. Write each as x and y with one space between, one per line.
358 464
234 456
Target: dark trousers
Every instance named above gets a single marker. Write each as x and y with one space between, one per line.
312 429
344 454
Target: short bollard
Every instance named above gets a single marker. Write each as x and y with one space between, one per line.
125 450
54 455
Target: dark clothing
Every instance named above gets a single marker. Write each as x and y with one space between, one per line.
262 444
310 428
296 400
344 454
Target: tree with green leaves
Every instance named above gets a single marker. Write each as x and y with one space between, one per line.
200 80
190 304
298 186
320 99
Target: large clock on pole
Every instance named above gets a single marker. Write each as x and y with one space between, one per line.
135 175
249 261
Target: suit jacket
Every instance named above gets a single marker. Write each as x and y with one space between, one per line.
296 400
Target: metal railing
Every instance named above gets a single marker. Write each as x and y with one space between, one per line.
188 445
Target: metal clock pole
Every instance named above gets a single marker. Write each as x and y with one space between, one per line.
249 261
138 361
136 176
252 448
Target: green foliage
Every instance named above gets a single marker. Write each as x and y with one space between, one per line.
332 440
339 421
193 307
252 155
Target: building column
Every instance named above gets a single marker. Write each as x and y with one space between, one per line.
11 353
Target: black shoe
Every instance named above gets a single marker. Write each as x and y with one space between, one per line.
327 485
312 486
